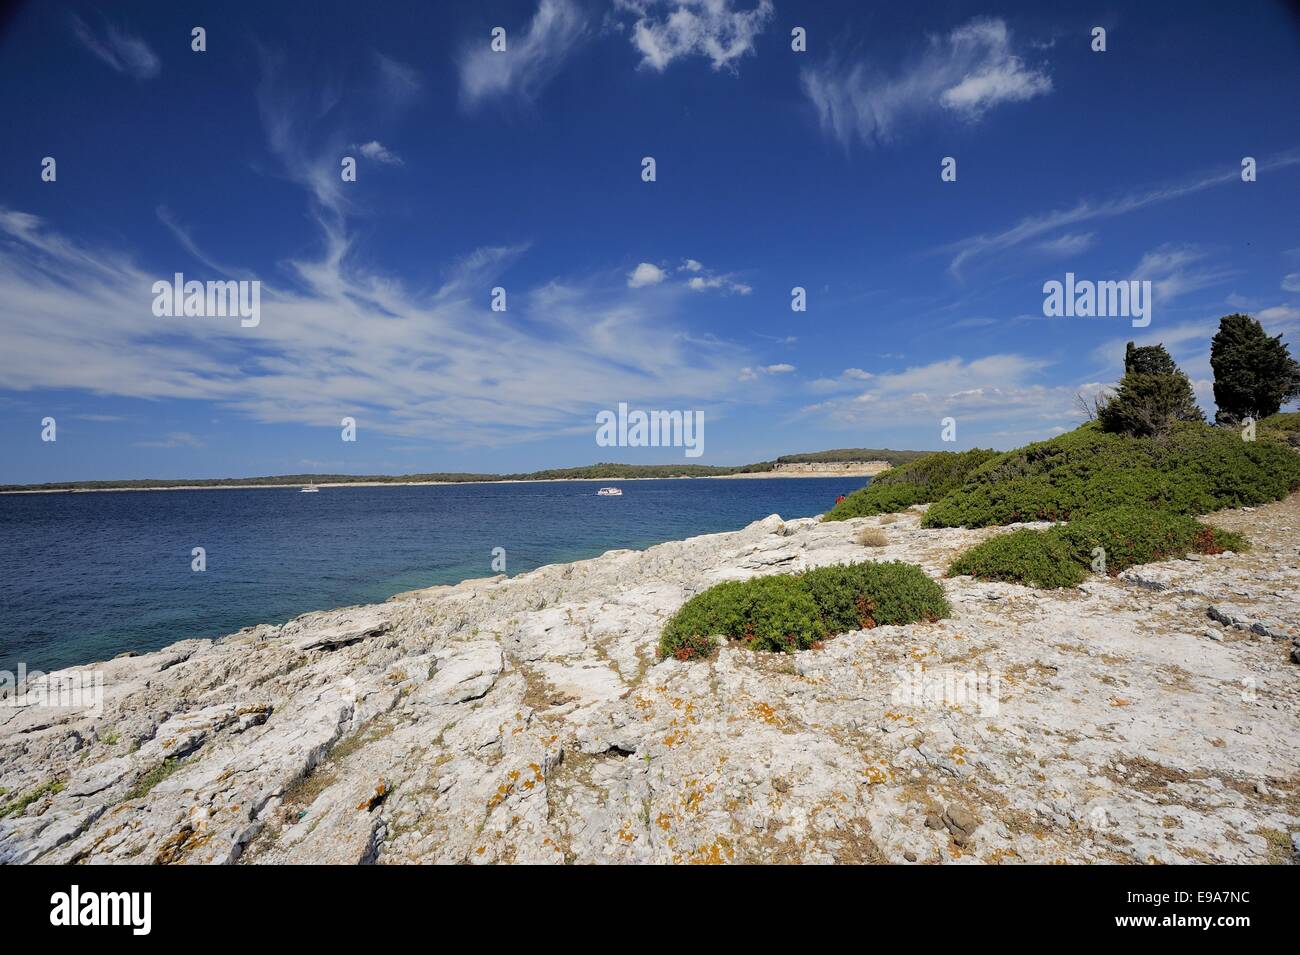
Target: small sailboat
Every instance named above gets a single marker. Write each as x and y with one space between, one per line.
309 489
609 492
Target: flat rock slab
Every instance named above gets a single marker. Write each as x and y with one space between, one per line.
1152 717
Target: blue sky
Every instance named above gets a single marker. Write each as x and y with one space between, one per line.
522 170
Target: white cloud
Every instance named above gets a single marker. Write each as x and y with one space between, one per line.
529 61
752 374
645 274
996 387
124 52
968 72
850 379
1279 314
378 152
1291 282
706 279
709 28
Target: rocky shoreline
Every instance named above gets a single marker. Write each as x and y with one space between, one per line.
1153 717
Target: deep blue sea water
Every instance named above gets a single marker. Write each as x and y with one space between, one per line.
86 576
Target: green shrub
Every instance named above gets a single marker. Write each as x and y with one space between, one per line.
1062 556
862 596
1194 469
788 612
918 482
1281 429
1032 558
1138 535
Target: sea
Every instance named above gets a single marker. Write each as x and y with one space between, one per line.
86 576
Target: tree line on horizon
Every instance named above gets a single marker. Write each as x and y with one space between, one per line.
601 471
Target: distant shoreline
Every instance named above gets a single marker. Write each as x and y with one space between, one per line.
868 471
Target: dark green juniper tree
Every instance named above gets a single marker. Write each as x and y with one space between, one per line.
1254 374
1151 397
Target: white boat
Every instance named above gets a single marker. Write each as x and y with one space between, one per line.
310 489
609 492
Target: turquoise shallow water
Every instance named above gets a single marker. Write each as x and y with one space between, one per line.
86 576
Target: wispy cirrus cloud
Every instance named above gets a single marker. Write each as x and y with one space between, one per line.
1071 243
173 439
124 52
530 60
668 30
1176 269
338 337
401 82
434 365
1035 227
965 73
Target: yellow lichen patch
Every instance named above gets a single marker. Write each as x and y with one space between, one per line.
959 755
1120 701
626 834
500 795
767 714
664 821
719 852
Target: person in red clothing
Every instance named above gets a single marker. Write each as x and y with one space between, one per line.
839 499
